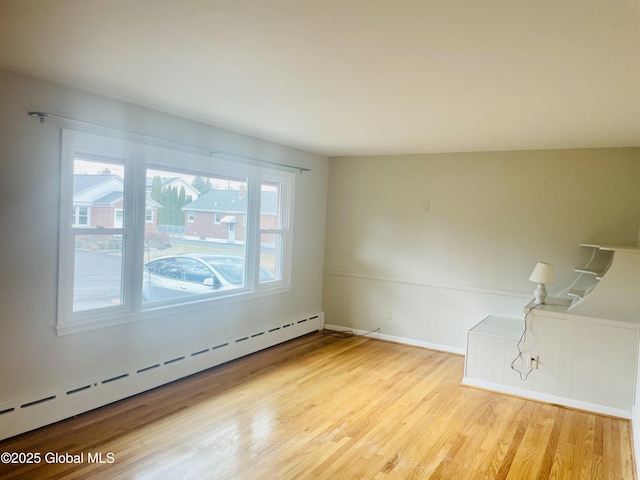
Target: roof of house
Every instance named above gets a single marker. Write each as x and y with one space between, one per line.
232 201
109 198
83 182
101 189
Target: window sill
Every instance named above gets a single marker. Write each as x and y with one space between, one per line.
111 319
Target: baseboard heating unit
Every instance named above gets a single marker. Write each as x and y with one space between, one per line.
27 414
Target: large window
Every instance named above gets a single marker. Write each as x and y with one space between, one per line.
152 228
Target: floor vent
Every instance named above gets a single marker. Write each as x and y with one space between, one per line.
274 329
303 320
242 339
257 334
220 346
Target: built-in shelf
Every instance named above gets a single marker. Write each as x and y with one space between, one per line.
599 263
579 292
609 284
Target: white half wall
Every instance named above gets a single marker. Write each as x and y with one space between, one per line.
33 359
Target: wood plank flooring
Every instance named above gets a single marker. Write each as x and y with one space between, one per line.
331 408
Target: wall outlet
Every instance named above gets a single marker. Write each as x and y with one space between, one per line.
534 362
388 314
424 206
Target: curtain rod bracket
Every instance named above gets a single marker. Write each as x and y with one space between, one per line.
40 115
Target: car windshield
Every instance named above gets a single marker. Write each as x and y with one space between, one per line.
232 269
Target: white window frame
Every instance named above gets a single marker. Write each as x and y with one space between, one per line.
285 230
148 215
137 158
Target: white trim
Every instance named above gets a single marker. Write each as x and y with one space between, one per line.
403 340
445 286
546 398
198 306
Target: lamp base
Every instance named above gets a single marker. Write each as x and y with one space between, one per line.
541 294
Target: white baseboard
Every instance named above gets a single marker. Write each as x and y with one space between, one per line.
403 340
23 415
543 397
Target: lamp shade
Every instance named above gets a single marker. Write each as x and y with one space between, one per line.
543 273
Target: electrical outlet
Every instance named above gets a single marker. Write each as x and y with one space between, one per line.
424 206
388 314
534 362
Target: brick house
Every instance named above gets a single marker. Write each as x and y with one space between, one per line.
219 216
98 201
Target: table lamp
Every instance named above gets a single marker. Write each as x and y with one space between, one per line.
542 275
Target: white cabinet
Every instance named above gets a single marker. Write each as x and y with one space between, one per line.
489 344
584 362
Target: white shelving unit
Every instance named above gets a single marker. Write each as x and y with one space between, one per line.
609 286
587 346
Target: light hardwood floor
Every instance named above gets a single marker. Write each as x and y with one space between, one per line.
332 408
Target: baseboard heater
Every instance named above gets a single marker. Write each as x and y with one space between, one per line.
52 406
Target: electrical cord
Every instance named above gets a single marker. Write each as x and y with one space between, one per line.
523 375
345 333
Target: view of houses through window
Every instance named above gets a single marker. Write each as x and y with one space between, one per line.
188 252
197 234
97 215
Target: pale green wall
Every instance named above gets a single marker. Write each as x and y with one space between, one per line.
492 217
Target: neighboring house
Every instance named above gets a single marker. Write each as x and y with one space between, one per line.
168 182
219 215
98 200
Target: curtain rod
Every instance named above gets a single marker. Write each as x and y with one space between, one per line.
211 152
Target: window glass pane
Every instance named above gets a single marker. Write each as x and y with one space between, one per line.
271 233
98 188
269 206
270 257
98 279
195 243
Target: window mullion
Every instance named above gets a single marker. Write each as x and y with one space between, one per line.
252 246
135 221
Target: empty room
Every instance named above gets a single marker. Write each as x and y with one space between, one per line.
298 239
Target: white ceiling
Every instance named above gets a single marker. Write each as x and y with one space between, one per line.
347 77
